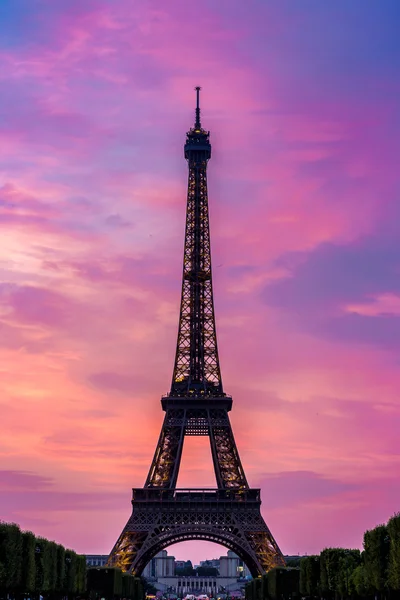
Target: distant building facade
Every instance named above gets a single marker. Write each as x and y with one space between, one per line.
96 560
161 565
232 566
232 575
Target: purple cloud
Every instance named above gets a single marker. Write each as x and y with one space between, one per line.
107 381
36 305
322 284
25 480
295 488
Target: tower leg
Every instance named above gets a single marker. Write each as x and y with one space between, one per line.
164 469
228 468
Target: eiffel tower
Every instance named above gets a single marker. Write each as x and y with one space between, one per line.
196 405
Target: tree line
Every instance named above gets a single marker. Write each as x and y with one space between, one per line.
32 565
340 573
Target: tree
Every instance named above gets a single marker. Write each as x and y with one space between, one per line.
393 529
279 583
303 576
10 556
41 565
330 568
376 557
310 575
313 573
348 562
51 567
359 582
293 562
28 561
70 572
60 558
80 581
207 571
29 564
149 588
186 570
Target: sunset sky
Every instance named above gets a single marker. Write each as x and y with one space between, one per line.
302 101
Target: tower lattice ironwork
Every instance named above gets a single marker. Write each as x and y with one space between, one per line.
196 405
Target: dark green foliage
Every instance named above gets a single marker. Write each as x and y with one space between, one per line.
128 586
348 562
132 587
293 562
282 583
70 572
186 570
28 562
44 566
376 556
393 528
52 566
330 564
271 587
31 565
258 588
148 588
10 556
81 573
207 571
60 568
303 576
339 573
139 590
310 575
359 584
105 581
250 590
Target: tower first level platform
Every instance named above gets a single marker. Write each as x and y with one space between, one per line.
161 517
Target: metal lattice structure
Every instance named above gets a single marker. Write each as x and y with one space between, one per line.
196 405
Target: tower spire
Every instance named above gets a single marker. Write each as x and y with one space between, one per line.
197 124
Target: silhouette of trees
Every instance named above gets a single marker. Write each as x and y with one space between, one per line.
34 565
340 573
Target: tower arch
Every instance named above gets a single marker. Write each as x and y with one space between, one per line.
188 534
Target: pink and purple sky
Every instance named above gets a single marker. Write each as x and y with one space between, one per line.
302 100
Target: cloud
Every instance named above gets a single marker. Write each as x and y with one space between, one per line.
27 481
332 274
321 284
117 221
298 488
37 306
46 501
114 381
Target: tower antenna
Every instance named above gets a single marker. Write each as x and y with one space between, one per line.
197 124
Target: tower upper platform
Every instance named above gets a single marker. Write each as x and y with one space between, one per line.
197 147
